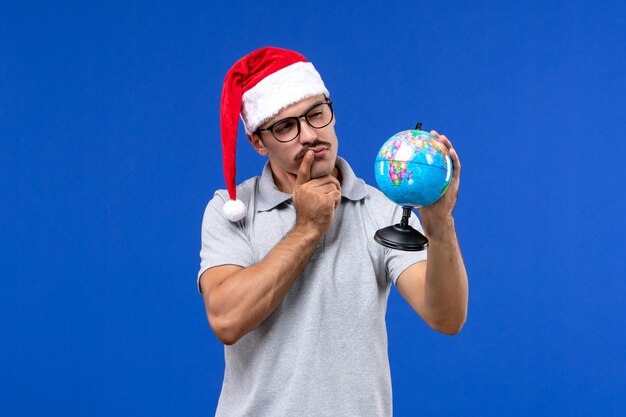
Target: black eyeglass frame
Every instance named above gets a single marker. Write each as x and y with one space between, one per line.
297 118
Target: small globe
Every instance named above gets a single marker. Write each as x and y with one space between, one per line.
413 168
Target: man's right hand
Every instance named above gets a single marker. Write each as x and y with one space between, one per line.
316 199
238 299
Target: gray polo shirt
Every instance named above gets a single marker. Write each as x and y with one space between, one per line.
323 351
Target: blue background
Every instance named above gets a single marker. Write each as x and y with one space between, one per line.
109 151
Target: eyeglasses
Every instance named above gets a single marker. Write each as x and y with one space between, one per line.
318 116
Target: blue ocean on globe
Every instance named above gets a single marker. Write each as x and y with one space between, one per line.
413 168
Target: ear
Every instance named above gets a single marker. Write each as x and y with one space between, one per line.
257 144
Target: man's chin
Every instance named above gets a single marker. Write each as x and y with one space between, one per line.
322 168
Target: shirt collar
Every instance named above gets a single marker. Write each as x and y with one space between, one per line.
270 196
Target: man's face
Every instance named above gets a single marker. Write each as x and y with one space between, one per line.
285 157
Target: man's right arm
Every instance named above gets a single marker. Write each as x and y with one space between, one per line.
238 299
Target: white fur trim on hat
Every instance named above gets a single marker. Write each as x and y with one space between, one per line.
273 93
234 210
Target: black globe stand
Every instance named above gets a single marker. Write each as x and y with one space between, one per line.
402 236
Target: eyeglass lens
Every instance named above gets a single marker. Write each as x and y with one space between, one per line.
317 117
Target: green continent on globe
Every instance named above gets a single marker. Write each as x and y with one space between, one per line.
397 171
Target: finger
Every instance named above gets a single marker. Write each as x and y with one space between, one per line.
330 188
336 197
434 132
325 188
328 179
304 172
445 141
456 163
334 181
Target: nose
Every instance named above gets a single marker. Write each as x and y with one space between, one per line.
307 133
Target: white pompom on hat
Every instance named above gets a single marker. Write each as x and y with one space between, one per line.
256 88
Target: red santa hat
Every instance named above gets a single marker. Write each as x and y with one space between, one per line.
256 88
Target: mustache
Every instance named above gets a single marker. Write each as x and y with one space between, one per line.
303 151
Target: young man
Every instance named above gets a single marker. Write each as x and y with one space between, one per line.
293 282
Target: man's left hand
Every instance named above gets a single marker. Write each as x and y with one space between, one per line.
437 217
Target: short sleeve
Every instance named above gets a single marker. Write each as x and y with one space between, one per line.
396 261
223 242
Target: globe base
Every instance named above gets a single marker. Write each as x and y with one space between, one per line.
402 236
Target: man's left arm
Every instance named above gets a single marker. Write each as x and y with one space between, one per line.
437 289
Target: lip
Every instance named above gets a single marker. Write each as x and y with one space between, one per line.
320 151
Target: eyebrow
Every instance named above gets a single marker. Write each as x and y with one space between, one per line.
276 119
